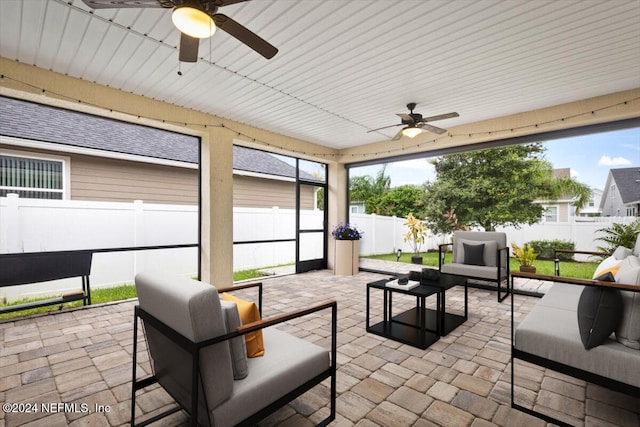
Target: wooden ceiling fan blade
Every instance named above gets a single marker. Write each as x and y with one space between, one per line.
440 117
221 3
432 128
398 135
124 4
405 117
245 35
188 48
384 127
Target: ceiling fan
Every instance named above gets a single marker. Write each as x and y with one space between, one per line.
196 19
414 123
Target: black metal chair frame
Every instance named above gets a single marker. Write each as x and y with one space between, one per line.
561 367
502 292
26 268
193 348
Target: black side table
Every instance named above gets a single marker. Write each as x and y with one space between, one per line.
419 327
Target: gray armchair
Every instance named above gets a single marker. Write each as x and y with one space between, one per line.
480 256
197 354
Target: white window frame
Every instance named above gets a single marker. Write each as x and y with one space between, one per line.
557 213
66 166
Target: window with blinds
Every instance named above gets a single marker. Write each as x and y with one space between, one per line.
31 178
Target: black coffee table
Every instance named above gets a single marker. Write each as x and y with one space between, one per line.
420 326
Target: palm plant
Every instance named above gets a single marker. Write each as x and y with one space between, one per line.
619 235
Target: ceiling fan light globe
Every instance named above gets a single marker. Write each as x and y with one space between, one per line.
193 22
411 131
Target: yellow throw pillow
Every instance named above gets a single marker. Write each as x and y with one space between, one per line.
612 270
248 313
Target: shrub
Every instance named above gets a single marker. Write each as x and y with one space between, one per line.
545 248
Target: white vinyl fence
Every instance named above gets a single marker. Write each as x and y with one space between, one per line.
33 225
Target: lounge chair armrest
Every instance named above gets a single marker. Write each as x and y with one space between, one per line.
238 287
246 286
274 320
569 251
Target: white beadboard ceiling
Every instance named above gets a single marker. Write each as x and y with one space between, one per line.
345 67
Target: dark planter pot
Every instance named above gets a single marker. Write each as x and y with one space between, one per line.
527 269
416 260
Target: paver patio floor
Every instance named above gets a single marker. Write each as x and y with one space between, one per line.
82 358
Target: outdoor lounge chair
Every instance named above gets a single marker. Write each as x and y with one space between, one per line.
193 341
486 263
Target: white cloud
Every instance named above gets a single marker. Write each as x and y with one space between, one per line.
413 164
613 161
574 173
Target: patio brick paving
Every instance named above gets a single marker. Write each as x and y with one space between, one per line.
84 357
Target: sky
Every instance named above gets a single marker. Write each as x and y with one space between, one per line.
589 157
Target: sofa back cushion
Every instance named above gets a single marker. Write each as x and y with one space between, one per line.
491 240
628 331
192 309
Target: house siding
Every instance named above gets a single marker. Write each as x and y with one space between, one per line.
123 181
251 192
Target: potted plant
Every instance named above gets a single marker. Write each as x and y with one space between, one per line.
525 255
415 236
347 249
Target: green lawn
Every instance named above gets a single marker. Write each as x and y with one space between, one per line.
583 270
103 295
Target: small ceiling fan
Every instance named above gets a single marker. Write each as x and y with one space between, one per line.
196 19
414 123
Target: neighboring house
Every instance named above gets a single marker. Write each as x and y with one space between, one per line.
593 207
621 196
52 153
357 207
558 210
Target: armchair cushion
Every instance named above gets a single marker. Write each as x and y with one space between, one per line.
249 313
237 345
192 309
488 251
289 363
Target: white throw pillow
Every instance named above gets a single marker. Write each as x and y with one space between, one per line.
608 264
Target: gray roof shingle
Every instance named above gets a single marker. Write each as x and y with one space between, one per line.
28 120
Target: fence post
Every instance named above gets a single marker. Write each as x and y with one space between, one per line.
138 235
10 226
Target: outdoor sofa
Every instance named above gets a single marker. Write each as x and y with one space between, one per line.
588 329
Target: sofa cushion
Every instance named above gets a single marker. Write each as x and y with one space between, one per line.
473 253
598 313
237 345
621 253
552 332
628 331
474 271
249 313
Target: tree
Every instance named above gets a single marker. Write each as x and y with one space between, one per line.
400 201
365 188
492 187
